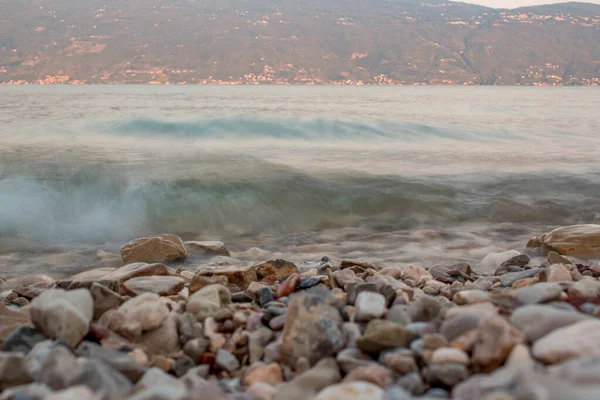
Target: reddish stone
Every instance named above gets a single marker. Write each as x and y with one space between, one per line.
99 332
288 286
207 359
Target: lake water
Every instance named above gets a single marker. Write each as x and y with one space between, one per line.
392 175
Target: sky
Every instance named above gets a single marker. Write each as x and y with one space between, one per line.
519 3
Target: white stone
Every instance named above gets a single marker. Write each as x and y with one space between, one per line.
358 390
494 260
369 305
63 315
578 340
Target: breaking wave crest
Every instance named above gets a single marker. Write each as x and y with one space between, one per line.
95 204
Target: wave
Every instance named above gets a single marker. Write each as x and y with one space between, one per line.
98 205
290 128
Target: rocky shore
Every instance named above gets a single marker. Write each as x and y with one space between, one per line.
322 330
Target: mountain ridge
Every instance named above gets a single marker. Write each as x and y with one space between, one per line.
299 42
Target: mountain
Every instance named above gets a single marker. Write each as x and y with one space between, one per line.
297 41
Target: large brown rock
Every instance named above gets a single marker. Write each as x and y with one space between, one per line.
154 249
277 267
581 241
210 247
313 328
237 275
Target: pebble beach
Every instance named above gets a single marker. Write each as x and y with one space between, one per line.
324 329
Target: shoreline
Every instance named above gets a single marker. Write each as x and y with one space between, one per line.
322 329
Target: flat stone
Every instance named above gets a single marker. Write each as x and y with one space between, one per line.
538 293
208 246
511 277
161 285
381 335
577 340
313 328
208 301
10 319
279 268
241 276
369 306
137 315
135 270
154 249
582 241
352 391
63 315
92 275
536 321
